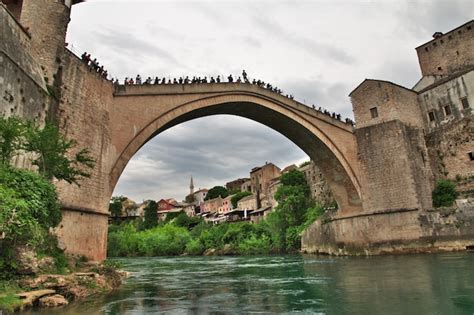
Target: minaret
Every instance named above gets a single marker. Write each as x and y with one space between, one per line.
191 186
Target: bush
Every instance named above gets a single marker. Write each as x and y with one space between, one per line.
444 193
28 206
254 245
194 247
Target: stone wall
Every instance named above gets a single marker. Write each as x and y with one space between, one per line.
450 93
391 101
23 91
449 147
448 53
83 115
46 21
395 162
393 232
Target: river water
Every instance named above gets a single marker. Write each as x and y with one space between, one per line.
407 284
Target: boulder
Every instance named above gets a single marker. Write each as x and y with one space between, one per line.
26 260
210 252
46 263
53 301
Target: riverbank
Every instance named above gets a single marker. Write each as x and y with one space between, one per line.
55 290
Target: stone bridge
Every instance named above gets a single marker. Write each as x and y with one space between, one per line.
131 115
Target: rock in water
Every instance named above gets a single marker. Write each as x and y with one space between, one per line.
53 301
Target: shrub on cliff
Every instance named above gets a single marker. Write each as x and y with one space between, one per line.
28 206
52 152
444 193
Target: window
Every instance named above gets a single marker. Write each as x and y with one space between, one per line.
465 103
432 116
439 68
374 113
471 155
447 110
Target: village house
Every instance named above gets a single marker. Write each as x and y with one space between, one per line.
261 177
226 205
166 206
236 185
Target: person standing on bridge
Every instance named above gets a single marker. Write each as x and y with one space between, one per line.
244 75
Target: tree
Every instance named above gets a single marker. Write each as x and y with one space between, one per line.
235 198
12 132
151 215
52 150
190 198
216 191
115 205
444 193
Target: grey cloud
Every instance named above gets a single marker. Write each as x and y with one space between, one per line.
331 96
309 45
422 18
130 44
213 149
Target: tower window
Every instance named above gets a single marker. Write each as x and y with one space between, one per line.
431 116
374 112
471 155
439 68
447 110
465 103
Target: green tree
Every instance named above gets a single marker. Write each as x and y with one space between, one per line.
216 191
52 150
12 133
444 193
189 198
116 205
235 198
151 215
28 206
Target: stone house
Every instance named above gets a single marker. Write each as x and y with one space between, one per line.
247 203
236 185
261 178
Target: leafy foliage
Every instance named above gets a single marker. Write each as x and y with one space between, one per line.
279 232
12 132
151 215
52 150
190 198
116 205
235 198
444 193
28 205
216 191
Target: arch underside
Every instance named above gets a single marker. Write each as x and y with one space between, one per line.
340 176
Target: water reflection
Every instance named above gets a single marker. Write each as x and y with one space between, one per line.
418 284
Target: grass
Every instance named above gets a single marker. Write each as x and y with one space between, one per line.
8 300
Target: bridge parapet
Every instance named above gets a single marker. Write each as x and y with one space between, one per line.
226 88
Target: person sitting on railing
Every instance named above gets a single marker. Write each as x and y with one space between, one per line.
218 79
230 78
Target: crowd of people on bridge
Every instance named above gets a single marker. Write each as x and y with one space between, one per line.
218 79
94 65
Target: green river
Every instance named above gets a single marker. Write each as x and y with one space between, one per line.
406 284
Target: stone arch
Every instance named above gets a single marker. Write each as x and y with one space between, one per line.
297 126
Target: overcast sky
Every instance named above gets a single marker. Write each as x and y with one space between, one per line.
319 51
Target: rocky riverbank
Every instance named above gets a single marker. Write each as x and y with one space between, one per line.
55 290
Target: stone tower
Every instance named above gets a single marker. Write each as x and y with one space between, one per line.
191 186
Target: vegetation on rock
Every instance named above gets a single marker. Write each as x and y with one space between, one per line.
444 193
